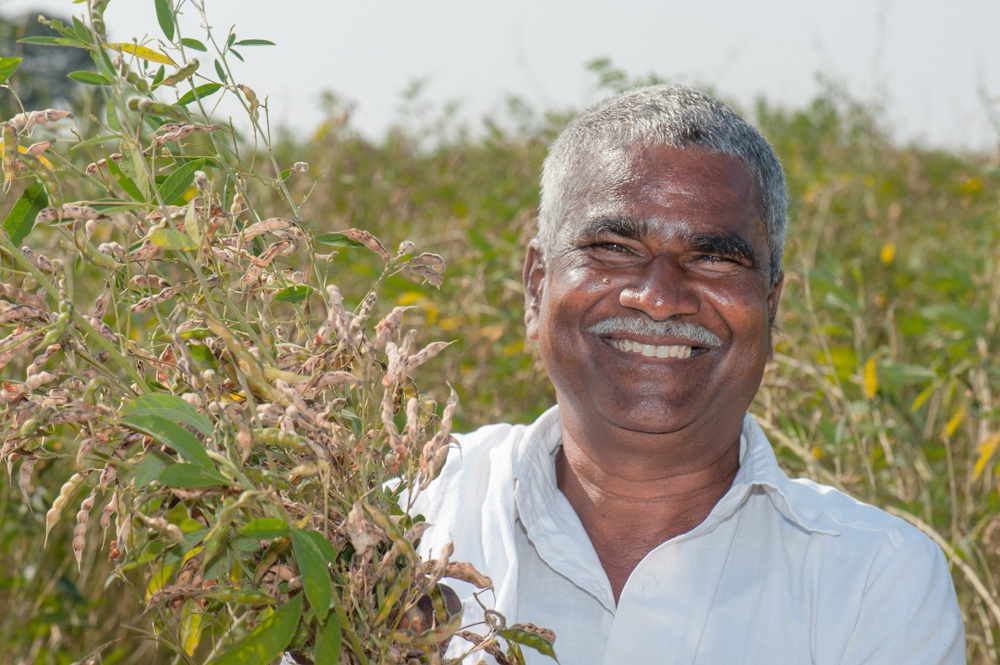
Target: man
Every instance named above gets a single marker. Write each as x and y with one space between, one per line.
644 519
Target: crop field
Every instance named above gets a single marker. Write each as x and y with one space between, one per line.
885 381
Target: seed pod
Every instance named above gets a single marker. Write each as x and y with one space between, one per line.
42 358
405 247
88 252
138 82
425 354
101 304
25 121
388 325
269 225
251 97
23 313
149 282
55 335
9 154
44 175
40 262
80 530
65 492
101 327
108 475
20 295
368 240
180 74
123 520
110 509
94 167
24 476
68 211
153 107
36 380
364 312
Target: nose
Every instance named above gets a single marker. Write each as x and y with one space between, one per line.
661 290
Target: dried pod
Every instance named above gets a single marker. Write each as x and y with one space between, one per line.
368 240
65 492
80 530
24 476
425 354
25 121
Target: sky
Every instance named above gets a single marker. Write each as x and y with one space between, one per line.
933 65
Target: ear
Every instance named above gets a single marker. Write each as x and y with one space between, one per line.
534 285
772 311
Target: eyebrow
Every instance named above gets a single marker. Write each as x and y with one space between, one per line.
625 227
728 245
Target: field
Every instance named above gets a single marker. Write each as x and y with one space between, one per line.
885 382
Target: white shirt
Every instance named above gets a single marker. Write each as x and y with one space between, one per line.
780 572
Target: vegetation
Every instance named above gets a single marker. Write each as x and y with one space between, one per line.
205 300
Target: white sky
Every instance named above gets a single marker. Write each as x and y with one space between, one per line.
931 63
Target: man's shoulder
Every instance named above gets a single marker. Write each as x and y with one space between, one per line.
855 523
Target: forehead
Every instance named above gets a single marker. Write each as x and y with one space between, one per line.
623 181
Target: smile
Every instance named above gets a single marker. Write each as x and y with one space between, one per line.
651 350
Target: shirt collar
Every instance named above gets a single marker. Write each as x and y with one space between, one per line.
535 478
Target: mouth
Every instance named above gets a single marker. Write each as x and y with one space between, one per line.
652 350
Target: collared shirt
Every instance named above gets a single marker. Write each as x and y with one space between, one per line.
780 572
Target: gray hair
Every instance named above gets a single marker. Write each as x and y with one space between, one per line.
662 115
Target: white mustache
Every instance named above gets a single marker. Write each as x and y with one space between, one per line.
697 335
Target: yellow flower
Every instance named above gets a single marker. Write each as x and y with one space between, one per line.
887 253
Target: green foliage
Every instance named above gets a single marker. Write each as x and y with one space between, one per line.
181 371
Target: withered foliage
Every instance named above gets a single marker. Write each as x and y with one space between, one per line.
228 428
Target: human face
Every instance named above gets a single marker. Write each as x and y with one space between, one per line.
656 237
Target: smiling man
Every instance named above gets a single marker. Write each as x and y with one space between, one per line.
644 518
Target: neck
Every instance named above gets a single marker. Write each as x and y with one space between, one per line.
642 490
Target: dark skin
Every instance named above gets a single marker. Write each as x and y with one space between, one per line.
651 422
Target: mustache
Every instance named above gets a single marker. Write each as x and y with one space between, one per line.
692 332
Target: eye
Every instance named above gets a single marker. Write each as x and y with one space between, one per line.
610 247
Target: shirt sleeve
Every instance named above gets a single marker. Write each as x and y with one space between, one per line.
909 612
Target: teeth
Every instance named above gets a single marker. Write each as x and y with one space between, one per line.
650 350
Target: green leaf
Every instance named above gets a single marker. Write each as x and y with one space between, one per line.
266 528
328 642
165 17
220 71
268 640
170 407
170 433
45 41
178 182
337 240
296 293
202 91
315 575
125 182
255 42
203 356
88 78
151 466
21 218
194 45
170 239
324 546
7 68
529 639
190 476
104 138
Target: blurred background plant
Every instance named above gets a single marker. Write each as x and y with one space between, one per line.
883 383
